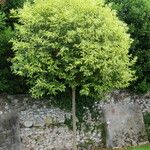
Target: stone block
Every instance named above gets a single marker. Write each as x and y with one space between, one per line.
124 125
9 132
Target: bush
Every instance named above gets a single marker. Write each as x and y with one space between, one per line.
136 13
9 82
5 50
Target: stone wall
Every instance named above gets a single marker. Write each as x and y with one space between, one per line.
44 128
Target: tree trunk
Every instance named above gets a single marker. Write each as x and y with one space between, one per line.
74 118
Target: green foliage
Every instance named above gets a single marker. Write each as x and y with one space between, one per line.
68 43
63 102
6 34
136 13
6 8
12 4
8 82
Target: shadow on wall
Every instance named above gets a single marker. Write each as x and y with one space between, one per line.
147 123
9 132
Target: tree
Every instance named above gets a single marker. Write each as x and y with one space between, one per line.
77 44
136 13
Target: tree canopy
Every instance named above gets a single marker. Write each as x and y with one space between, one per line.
80 43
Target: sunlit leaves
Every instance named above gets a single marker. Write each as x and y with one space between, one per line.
62 44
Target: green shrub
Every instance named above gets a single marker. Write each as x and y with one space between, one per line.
136 13
9 82
6 34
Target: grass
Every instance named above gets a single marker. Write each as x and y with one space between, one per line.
144 147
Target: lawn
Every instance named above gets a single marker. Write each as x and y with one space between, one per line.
144 147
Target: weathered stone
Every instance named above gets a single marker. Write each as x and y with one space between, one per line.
9 132
28 124
38 122
124 124
48 121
